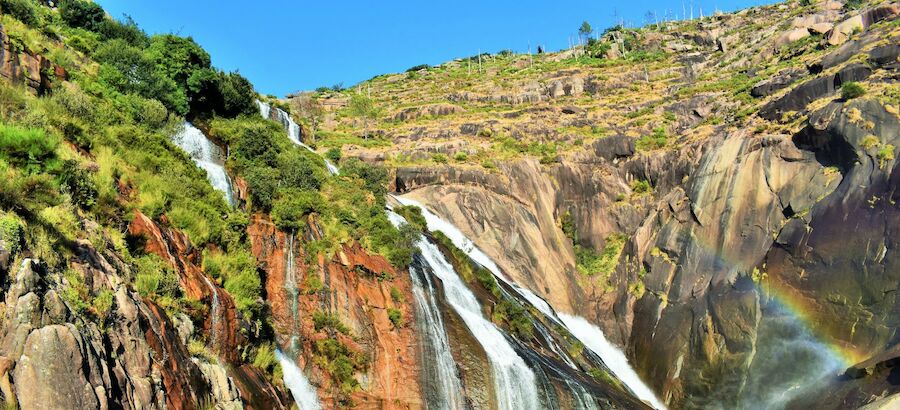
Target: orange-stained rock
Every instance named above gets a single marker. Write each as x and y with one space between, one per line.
351 289
173 246
22 66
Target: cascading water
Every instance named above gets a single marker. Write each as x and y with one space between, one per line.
442 381
207 156
589 334
214 311
594 339
514 382
303 392
292 128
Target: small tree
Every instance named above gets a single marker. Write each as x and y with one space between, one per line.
585 30
363 108
308 108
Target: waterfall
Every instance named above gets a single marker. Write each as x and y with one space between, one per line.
593 338
293 130
214 310
514 381
442 381
207 156
303 392
590 335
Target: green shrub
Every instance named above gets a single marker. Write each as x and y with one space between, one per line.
375 177
155 279
515 317
301 169
31 150
329 321
127 69
82 14
591 263
658 139
23 10
265 359
640 186
413 216
77 182
12 233
293 205
852 90
396 295
263 183
395 316
567 224
75 293
460 156
333 155
236 270
102 304
340 361
885 154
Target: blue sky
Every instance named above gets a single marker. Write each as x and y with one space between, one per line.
284 46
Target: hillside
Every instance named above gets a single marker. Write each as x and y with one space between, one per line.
702 189
691 214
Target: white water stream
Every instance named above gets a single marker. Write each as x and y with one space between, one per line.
304 393
207 156
292 128
443 387
590 335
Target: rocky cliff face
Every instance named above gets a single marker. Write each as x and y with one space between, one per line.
240 383
356 289
21 66
135 360
741 223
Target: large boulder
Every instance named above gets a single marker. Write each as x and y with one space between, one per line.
52 357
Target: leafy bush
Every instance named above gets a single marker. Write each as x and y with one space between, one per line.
341 362
12 233
333 155
439 158
852 90
292 206
236 270
329 321
413 216
640 186
81 14
31 150
301 169
77 182
128 70
515 317
155 279
885 154
265 359
396 295
375 177
23 10
590 263
395 316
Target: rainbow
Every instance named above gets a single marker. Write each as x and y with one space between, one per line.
800 306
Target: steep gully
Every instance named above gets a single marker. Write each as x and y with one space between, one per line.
509 369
